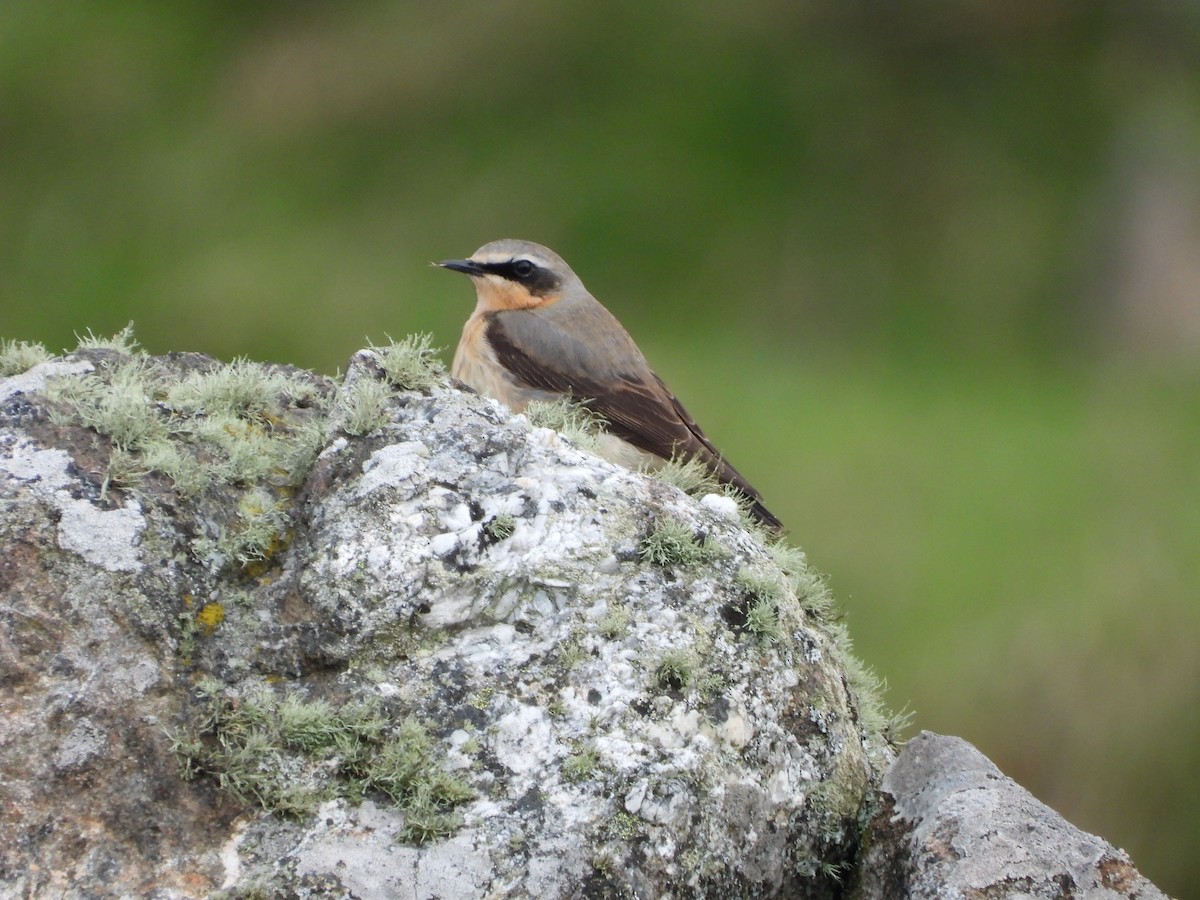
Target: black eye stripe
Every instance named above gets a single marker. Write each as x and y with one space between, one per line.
513 269
539 280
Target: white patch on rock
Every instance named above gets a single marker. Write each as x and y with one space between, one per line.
230 854
523 741
104 537
34 380
359 845
720 504
392 465
85 741
46 469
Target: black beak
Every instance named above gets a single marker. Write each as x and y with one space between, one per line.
466 266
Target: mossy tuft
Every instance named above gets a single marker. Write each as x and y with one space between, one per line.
581 765
365 403
411 363
251 427
287 755
570 418
501 527
122 342
20 356
676 670
688 474
673 543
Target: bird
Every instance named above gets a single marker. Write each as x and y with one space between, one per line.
537 334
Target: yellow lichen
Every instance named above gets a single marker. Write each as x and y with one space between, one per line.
210 616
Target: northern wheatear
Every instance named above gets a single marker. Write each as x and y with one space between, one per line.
537 334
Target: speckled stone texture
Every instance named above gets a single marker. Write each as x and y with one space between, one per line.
613 727
621 730
953 826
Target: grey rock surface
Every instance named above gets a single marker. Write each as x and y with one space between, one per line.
952 825
250 646
266 634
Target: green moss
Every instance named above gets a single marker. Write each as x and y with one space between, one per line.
288 754
260 532
125 470
188 478
241 389
625 825
501 527
676 670
867 690
762 621
572 651
810 589
482 699
411 363
20 356
581 765
246 425
365 406
123 341
673 543
767 594
690 475
615 622
569 418
118 401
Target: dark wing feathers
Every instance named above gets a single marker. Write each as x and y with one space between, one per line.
617 384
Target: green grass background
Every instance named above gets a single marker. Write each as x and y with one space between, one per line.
888 256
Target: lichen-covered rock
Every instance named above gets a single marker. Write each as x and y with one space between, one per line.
952 825
455 656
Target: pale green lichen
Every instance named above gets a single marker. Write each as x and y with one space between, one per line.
261 530
243 424
288 754
122 342
614 622
174 461
581 765
125 470
412 363
673 543
762 621
20 356
688 474
626 826
501 527
768 595
241 389
868 689
809 587
676 669
117 401
570 418
572 652
365 404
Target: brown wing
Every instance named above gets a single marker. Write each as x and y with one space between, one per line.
613 376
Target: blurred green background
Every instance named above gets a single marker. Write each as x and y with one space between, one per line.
928 273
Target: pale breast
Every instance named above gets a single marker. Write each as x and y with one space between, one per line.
475 365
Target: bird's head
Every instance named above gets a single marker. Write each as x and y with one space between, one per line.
512 274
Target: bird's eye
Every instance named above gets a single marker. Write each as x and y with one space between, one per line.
523 268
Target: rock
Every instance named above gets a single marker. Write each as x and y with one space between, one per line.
264 634
952 825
